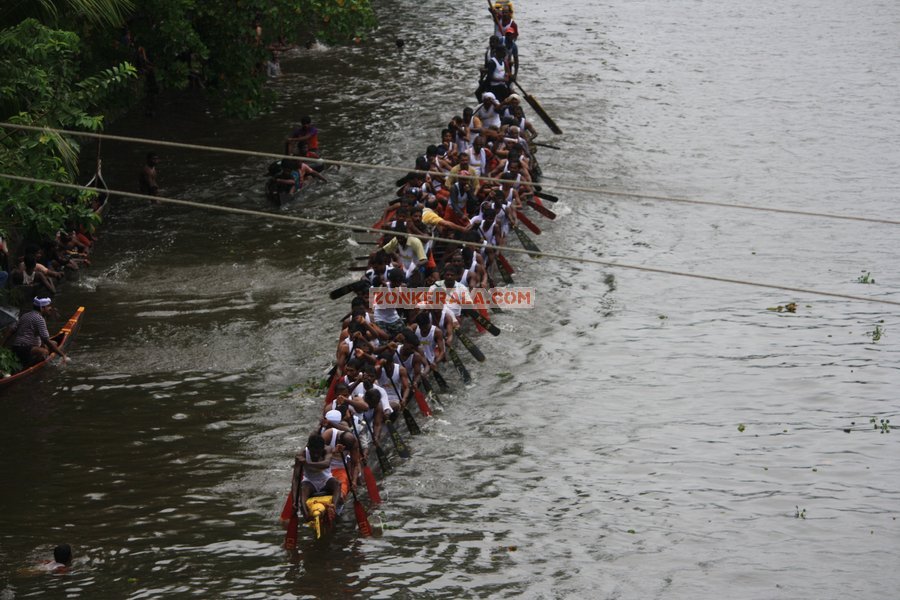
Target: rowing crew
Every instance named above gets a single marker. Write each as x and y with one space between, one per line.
385 354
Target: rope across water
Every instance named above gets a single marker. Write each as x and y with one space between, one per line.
550 255
553 186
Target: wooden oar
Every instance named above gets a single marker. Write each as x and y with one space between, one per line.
532 101
427 385
344 289
482 320
371 486
411 424
399 445
440 380
362 519
474 350
458 363
540 208
290 538
505 268
523 218
546 145
422 402
383 461
527 243
546 196
358 268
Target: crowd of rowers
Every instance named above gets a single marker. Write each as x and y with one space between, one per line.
385 354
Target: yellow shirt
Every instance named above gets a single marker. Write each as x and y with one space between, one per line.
429 217
414 247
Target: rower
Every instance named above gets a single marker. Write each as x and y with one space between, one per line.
386 317
431 340
487 113
409 249
314 461
335 431
386 408
393 378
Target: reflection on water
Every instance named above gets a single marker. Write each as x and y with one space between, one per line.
598 451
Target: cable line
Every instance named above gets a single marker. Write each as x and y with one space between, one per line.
553 186
364 229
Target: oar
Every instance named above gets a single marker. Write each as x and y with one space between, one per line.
528 222
546 196
505 268
541 209
474 350
458 363
383 461
482 320
427 385
422 402
440 380
546 145
411 424
399 444
362 519
366 257
290 538
532 101
371 486
344 290
358 268
527 242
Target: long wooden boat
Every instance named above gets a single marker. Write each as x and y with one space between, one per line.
62 340
320 507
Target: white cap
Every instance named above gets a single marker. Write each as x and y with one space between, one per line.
333 416
488 96
41 302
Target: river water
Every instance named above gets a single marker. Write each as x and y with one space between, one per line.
598 451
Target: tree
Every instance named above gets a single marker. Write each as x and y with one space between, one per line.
41 85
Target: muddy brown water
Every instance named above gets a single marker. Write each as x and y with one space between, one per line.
597 452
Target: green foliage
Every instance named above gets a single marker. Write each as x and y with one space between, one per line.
9 362
42 86
56 12
216 40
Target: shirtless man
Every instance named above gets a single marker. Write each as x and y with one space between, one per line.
147 179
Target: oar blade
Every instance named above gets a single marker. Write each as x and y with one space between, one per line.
371 485
541 209
474 350
411 424
383 462
422 402
546 196
293 530
527 243
460 367
524 220
534 104
399 445
442 383
362 519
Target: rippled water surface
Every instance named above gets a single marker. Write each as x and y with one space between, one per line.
597 452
